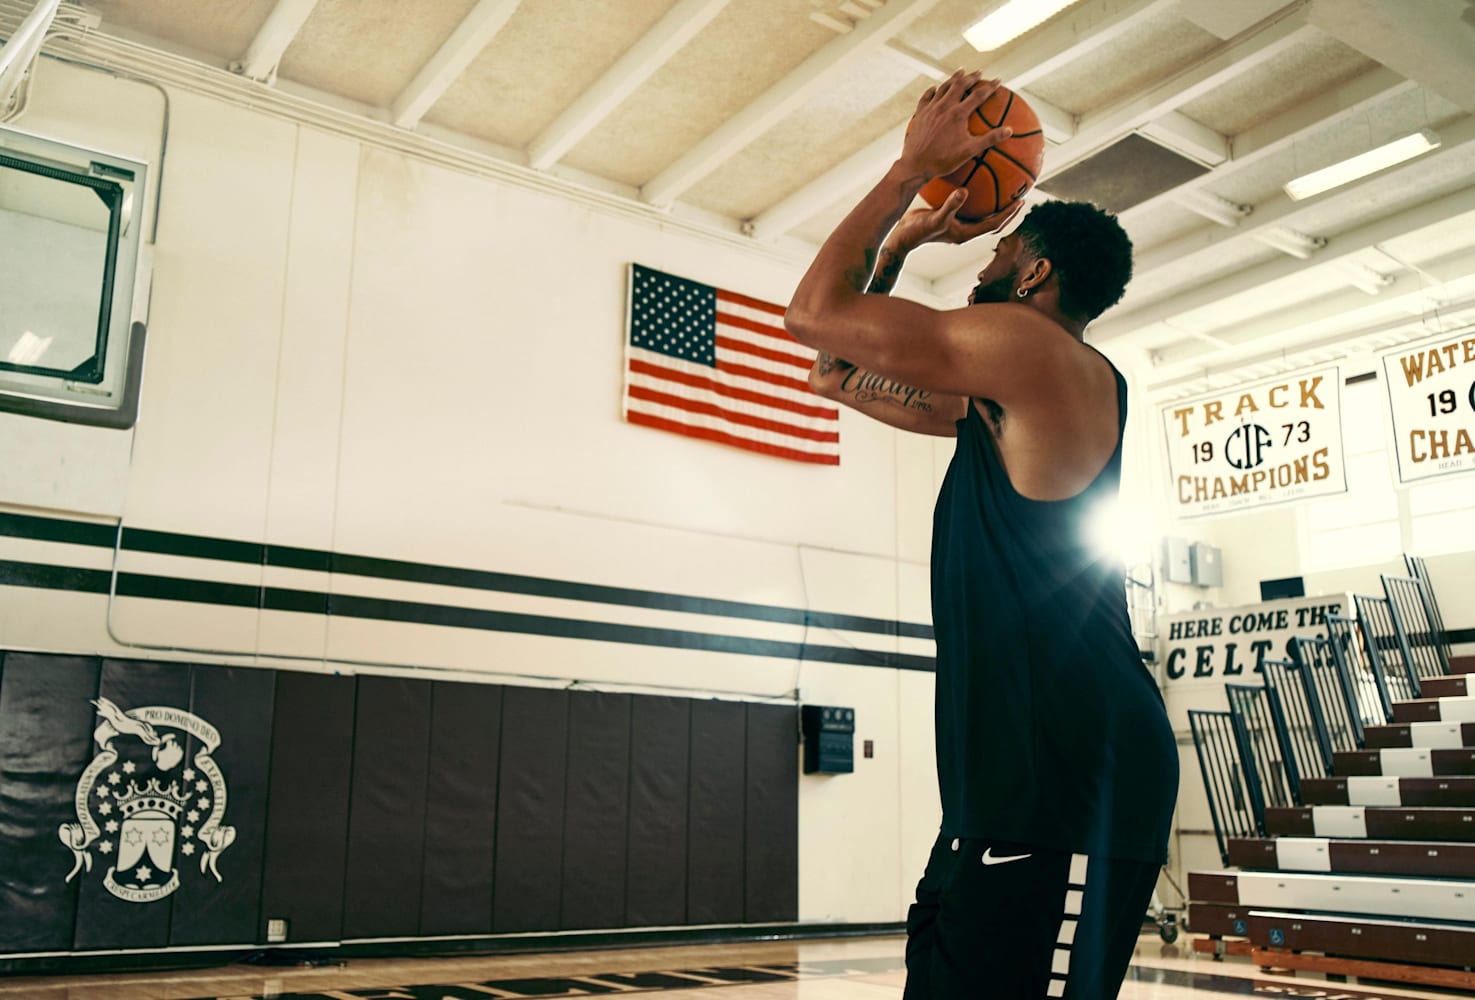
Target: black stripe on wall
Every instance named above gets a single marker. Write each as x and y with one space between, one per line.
411 612
255 553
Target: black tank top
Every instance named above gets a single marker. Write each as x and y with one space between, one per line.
1050 730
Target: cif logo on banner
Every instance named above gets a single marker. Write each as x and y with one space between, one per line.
1263 443
1431 401
144 814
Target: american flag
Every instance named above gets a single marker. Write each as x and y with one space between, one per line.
716 365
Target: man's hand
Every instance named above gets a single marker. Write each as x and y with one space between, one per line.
938 141
942 225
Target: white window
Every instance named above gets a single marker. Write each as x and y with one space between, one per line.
71 332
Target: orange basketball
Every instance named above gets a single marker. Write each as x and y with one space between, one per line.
1001 175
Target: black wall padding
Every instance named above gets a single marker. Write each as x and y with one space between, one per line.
461 808
530 810
660 752
238 702
386 818
715 845
46 724
103 919
771 841
307 819
598 804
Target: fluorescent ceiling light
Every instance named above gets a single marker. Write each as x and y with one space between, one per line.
1363 164
1010 21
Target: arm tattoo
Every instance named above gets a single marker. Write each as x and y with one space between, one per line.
825 363
887 273
867 387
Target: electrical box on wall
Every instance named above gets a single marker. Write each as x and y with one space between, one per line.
829 739
1176 563
1207 564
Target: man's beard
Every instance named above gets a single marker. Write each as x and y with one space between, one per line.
992 291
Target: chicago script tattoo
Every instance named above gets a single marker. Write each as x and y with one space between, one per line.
871 388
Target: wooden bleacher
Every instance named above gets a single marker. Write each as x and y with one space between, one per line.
1370 870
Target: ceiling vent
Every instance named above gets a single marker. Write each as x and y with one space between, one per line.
1126 173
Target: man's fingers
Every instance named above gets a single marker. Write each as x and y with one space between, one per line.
993 137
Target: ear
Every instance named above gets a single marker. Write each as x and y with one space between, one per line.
1036 274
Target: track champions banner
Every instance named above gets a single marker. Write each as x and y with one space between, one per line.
1431 403
1261 443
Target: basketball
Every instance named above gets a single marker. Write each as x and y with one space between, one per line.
1001 175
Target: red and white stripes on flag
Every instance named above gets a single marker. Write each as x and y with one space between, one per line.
718 365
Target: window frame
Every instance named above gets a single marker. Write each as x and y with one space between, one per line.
107 395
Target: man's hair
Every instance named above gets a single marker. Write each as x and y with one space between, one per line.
1088 249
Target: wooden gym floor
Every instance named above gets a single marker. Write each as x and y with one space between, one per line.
850 969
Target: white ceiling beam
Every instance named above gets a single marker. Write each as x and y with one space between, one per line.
1119 322
1228 19
1182 134
474 33
680 24
1201 246
276 33
920 62
1326 111
1427 40
1171 373
1226 62
850 173
1100 128
1077 32
1290 328
781 99
1057 124
1088 27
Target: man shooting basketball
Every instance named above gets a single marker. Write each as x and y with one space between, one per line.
1057 767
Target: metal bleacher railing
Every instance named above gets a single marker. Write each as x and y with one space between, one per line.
1385 650
1374 707
1415 629
1258 717
1302 723
1316 704
1228 783
1419 570
1331 693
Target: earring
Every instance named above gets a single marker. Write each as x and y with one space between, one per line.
1022 292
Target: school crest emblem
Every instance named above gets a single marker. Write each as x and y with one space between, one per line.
143 814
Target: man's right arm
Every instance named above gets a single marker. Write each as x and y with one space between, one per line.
886 400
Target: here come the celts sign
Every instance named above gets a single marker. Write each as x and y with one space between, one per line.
1262 443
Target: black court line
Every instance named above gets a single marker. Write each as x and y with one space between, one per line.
258 554
707 977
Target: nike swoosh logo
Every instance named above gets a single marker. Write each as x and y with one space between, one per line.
989 859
